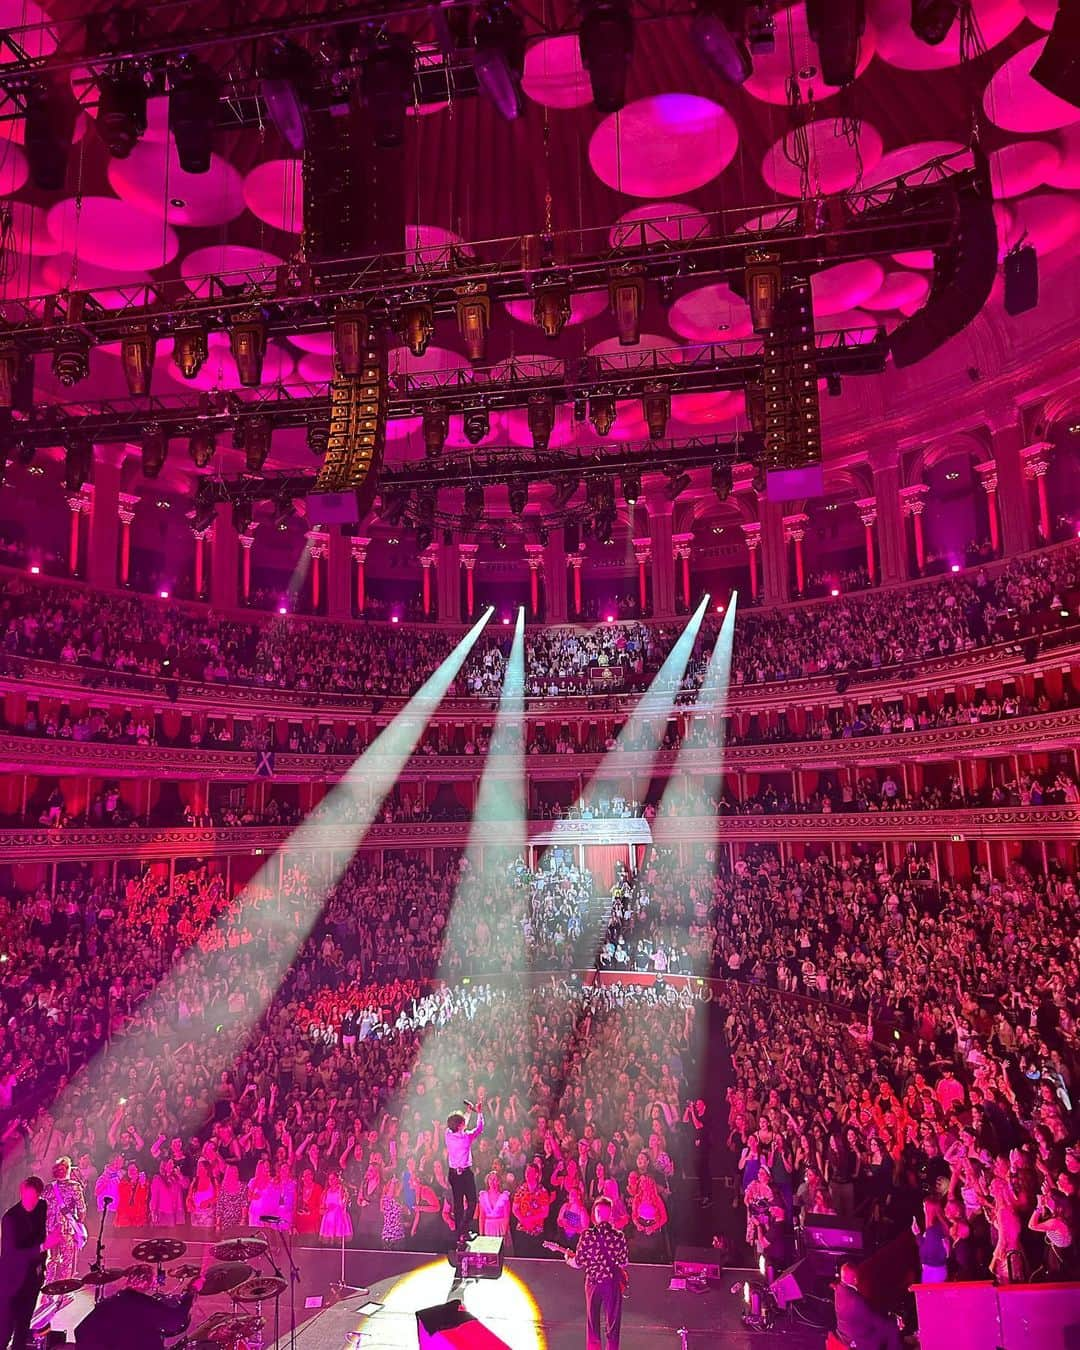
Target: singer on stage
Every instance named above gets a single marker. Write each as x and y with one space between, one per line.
459 1142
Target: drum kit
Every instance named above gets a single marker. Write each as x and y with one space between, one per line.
230 1274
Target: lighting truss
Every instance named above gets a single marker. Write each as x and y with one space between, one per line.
507 384
915 211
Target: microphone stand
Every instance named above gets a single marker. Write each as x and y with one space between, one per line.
99 1253
277 1297
340 1289
294 1280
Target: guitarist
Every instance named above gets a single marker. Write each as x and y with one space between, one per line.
601 1253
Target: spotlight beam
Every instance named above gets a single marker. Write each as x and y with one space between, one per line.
352 805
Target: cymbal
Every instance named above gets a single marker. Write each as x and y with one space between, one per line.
157 1251
57 1288
106 1276
240 1249
188 1271
222 1278
223 1328
261 1287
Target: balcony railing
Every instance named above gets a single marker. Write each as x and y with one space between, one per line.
982 823
109 759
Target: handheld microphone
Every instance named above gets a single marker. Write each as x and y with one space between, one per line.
470 1105
106 1201
271 1218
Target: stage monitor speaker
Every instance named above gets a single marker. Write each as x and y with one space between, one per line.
963 277
481 1259
830 1233
448 1326
811 1276
1021 280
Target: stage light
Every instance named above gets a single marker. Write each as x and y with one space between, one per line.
71 358
205 511
153 450
436 425
656 406
387 79
352 329
551 309
677 484
602 413
627 297
836 26
78 464
474 502
247 343
242 513
201 447
137 351
631 486
256 434
834 592
717 32
392 504
760 29
833 384
193 113
932 19
474 320
499 58
1058 66
10 368
955 567
541 419
35 570
48 133
284 84
722 481
763 281
506 622
424 537
163 595
417 327
477 425
566 487
606 40
191 348
121 113
519 497
610 618
395 618
283 609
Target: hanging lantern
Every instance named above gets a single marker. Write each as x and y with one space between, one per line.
417 327
137 350
247 342
191 350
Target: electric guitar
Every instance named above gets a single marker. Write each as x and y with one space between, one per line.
624 1274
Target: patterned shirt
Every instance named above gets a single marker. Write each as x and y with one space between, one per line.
531 1207
601 1253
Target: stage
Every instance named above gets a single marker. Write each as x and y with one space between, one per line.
533 1306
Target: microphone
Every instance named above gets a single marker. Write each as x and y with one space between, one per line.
272 1218
469 1104
106 1201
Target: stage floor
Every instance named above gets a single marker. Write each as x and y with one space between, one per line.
535 1305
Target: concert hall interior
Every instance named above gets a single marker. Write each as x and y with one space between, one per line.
539 674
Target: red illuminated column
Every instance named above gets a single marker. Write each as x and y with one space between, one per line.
534 555
247 543
318 542
468 561
752 534
201 537
642 556
125 510
988 478
795 531
913 500
427 562
681 546
576 560
79 504
868 515
1035 467
359 552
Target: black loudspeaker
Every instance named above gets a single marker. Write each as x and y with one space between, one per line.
1058 68
836 27
963 277
830 1233
447 1326
810 1277
1021 279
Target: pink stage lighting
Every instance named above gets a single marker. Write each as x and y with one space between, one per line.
506 623
835 592
955 567
283 609
719 609
163 595
35 570
395 618
611 618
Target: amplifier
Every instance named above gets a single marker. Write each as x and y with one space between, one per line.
698 1263
481 1259
830 1233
